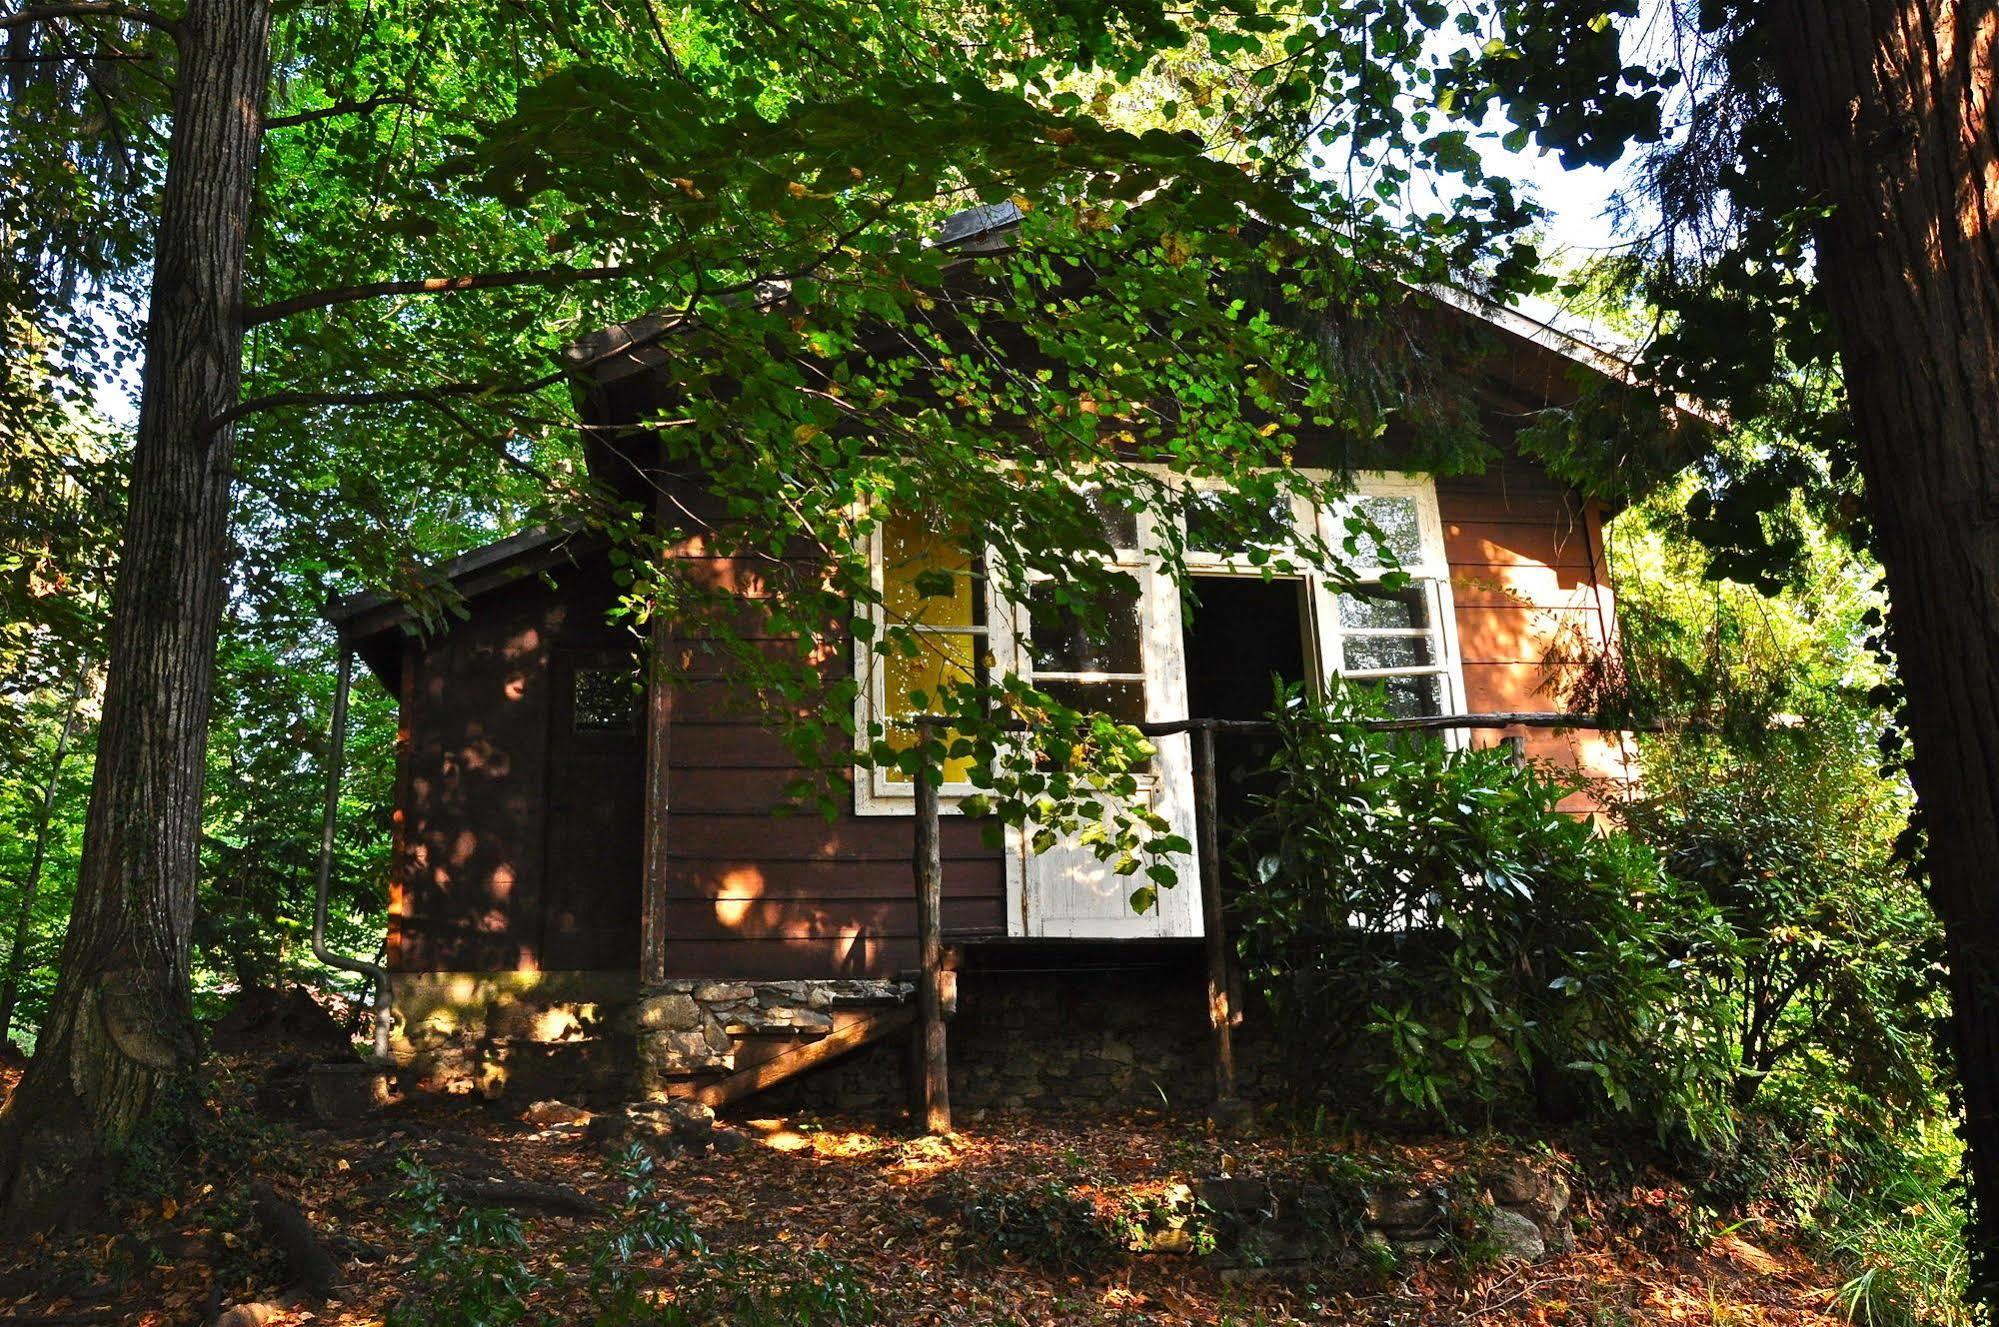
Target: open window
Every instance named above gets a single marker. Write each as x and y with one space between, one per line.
1393 631
930 586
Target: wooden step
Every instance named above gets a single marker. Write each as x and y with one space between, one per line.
863 1031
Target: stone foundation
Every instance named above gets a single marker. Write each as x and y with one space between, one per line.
1049 1034
689 1030
1053 1040
519 1034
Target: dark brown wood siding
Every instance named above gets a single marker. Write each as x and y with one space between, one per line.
517 837
755 893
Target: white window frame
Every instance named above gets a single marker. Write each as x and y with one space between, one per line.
876 795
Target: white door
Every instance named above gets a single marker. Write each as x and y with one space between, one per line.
1134 670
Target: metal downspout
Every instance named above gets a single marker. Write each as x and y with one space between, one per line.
384 1000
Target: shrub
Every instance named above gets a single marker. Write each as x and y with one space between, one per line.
1429 919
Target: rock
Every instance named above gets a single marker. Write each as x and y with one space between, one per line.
1230 1116
1173 1241
674 1011
1541 1194
250 1315
1235 1194
1514 1237
1406 1209
727 1140
613 1132
544 1113
721 992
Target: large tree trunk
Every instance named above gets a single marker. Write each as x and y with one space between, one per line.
1891 104
120 1031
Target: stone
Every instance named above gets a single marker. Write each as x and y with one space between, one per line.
545 1113
721 992
1406 1209
251 1315
1230 1116
1541 1194
727 1140
1173 1241
1235 1194
613 1133
340 1092
672 1012
1515 1238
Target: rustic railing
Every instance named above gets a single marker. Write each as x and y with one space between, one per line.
932 1079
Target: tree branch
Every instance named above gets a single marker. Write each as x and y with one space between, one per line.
87 9
361 107
257 315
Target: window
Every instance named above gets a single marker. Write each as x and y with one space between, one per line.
1088 652
936 591
605 699
1396 638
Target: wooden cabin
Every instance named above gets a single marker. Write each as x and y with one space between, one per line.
559 901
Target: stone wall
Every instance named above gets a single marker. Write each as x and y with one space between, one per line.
1048 1037
689 1030
1052 1040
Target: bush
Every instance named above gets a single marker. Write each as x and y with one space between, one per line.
1428 919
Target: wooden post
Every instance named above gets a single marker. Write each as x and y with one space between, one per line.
934 1090
1516 749
659 732
1207 815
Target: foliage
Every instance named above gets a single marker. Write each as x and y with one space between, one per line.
1431 918
469 1260
1773 794
1047 1224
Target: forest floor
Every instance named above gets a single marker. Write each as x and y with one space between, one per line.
827 1221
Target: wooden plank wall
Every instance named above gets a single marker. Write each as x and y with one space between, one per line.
1528 577
755 895
471 889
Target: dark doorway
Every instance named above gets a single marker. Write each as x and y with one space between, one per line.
1242 633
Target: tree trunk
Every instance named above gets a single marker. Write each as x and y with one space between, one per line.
1891 104
120 1034
24 916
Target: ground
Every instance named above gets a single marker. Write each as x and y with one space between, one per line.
1013 1220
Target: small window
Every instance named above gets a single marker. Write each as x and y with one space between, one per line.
605 700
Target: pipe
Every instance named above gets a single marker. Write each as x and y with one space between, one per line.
384 1000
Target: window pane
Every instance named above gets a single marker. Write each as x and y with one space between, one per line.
1396 518
1123 700
1120 526
1407 697
1067 640
1367 653
1370 606
1218 522
944 659
927 579
606 701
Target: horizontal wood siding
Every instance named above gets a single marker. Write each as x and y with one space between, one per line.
484 880
1532 600
754 893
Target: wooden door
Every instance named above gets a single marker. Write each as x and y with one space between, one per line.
596 801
